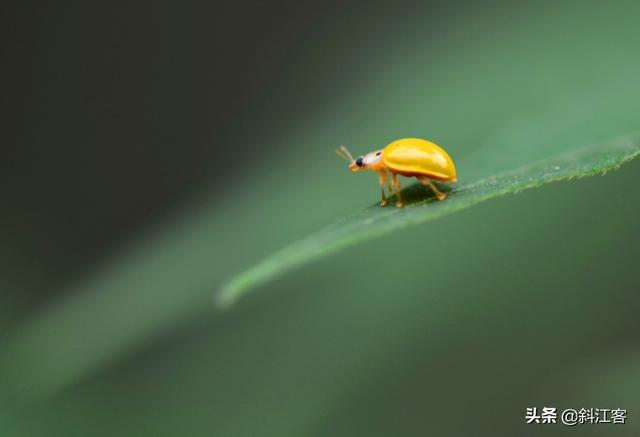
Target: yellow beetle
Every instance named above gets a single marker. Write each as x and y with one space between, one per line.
411 157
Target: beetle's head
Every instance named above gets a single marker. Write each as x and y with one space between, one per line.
357 164
360 162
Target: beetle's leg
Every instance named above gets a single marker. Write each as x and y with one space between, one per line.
396 185
439 194
382 177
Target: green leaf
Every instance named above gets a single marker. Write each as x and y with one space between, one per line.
422 207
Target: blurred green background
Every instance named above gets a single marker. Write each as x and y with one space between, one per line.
152 151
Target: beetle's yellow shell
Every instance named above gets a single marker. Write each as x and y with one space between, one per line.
415 156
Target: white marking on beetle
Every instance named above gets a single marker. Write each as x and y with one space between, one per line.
370 158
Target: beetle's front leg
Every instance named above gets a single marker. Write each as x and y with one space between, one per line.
382 177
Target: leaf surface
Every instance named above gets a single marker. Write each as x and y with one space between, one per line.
422 207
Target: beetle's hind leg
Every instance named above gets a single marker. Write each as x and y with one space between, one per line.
439 194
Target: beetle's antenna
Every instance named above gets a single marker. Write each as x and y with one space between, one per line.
344 153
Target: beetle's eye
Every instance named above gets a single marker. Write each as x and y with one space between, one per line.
359 161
